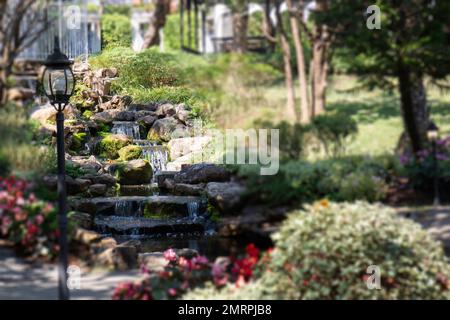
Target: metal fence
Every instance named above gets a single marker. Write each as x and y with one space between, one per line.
78 31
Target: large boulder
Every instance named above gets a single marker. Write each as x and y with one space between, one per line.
74 186
183 146
166 110
134 172
202 173
226 196
47 114
110 145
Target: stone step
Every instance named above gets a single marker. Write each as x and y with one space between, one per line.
139 206
152 228
138 190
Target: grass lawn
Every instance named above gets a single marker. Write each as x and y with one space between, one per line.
377 113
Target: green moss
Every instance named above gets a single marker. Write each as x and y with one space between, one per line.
110 145
153 136
88 114
130 152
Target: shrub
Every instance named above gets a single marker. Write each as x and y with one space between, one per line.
116 30
333 130
30 224
324 251
4 165
182 274
343 179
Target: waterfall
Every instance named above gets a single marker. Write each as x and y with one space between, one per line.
156 155
193 210
128 128
124 208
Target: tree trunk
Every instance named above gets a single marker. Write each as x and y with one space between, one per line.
240 26
301 69
157 21
289 79
319 63
414 107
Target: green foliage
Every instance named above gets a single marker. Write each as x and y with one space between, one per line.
343 179
88 114
130 152
110 145
333 131
124 10
77 140
323 252
116 30
78 98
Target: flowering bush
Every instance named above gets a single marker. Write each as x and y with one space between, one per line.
420 169
324 252
182 274
30 224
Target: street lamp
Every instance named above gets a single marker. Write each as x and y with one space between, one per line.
433 135
59 83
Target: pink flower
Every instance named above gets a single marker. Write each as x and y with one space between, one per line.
200 260
172 292
170 255
39 219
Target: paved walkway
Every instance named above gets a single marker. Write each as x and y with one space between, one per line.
21 280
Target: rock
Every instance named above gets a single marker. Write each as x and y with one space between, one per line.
153 261
109 146
162 129
166 110
184 189
130 152
188 159
186 253
116 102
105 179
104 117
182 113
81 219
120 257
143 107
226 196
48 114
20 94
86 236
90 164
134 172
147 121
202 172
125 116
107 73
75 186
163 175
97 190
107 243
183 146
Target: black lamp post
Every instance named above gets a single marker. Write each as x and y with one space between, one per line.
433 135
59 83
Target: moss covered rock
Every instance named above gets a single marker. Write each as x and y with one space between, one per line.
134 172
130 152
110 145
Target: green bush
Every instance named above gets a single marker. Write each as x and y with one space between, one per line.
324 251
343 179
116 30
333 131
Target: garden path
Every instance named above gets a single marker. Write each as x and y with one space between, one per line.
21 280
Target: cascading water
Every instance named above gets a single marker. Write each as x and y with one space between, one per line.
157 156
193 208
128 128
124 208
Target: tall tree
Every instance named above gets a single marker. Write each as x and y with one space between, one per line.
289 77
411 45
21 24
239 12
156 23
295 14
320 43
